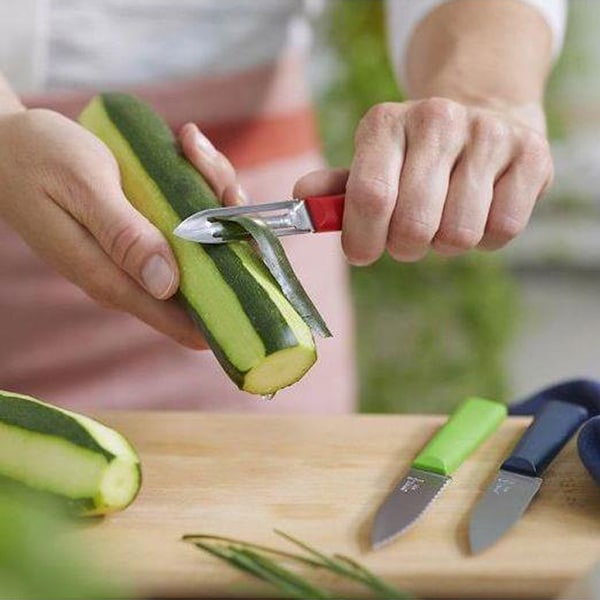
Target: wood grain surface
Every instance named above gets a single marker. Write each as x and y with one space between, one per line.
320 479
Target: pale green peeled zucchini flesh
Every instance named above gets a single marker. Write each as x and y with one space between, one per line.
274 257
258 337
67 455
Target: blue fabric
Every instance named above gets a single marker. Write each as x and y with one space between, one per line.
585 392
588 445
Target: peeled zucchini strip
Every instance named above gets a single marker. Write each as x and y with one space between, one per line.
274 257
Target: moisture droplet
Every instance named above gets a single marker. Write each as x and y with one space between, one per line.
268 396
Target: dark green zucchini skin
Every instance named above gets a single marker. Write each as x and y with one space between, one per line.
186 192
20 412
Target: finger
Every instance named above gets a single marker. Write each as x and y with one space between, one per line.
97 202
71 249
515 195
214 166
472 187
234 195
321 183
465 212
436 135
372 185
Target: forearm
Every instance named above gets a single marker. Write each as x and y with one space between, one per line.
9 101
496 53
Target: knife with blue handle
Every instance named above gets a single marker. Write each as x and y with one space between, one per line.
520 476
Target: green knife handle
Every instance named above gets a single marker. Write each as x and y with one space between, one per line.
473 421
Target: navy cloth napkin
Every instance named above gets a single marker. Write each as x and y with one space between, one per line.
585 392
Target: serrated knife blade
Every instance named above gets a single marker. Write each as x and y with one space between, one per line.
519 478
407 502
470 424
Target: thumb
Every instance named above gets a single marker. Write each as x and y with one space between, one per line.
129 239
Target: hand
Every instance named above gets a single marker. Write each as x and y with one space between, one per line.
437 174
61 192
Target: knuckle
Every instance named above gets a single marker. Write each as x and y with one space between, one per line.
358 252
504 228
489 130
437 112
79 188
461 238
534 149
374 197
438 123
122 240
76 191
381 114
410 231
381 117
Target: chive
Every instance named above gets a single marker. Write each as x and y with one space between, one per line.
255 560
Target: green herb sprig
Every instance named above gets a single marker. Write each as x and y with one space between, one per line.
264 563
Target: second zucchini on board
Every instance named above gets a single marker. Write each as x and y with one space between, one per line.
68 455
258 337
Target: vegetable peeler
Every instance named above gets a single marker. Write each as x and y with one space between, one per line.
315 214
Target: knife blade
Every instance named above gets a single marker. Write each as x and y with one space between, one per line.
473 421
315 214
520 476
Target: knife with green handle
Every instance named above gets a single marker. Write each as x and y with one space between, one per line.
473 421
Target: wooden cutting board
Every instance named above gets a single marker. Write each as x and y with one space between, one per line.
320 479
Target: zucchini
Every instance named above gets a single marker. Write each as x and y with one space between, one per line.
260 340
64 454
274 258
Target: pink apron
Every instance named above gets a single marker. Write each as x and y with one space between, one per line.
57 344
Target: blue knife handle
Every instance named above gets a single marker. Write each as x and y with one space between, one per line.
545 437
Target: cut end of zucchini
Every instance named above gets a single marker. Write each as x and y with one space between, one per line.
279 370
119 485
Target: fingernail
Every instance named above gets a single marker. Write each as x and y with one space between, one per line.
158 276
241 195
354 262
204 144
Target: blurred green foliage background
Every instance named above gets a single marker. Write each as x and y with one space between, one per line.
429 333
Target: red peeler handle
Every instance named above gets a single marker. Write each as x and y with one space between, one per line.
326 212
